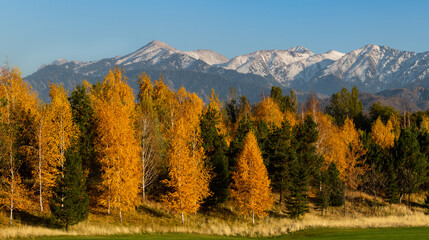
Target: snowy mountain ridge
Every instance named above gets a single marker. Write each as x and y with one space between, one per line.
371 68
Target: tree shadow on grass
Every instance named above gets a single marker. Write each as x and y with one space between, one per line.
153 212
31 219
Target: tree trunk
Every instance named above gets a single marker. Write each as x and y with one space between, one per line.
183 219
345 202
143 176
12 186
375 203
108 202
253 217
409 200
40 165
120 214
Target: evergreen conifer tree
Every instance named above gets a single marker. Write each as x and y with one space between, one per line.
336 186
236 146
305 168
297 201
412 165
83 117
215 149
69 204
279 153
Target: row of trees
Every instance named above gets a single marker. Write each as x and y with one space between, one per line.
101 147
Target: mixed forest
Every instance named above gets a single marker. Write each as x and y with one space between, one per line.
100 146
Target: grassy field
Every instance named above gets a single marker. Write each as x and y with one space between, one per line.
420 233
152 221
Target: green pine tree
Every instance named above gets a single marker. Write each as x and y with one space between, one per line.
279 153
306 135
215 148
412 164
336 186
236 146
345 104
83 117
297 201
70 202
305 168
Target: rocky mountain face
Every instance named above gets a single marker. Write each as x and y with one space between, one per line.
371 68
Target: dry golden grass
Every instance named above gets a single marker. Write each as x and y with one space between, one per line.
152 218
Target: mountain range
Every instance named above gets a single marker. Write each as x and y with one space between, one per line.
372 68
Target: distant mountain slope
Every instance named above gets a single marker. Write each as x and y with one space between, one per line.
371 68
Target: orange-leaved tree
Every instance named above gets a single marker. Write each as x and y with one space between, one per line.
250 189
354 165
147 128
45 169
18 103
269 111
116 143
188 177
382 134
64 130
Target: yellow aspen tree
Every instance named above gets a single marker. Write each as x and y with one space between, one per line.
146 127
188 177
330 144
355 167
269 111
251 186
17 101
54 133
382 134
61 121
45 168
164 105
116 143
215 104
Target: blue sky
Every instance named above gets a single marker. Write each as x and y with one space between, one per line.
33 33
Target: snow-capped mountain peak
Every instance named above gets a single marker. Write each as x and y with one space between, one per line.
300 49
208 56
156 51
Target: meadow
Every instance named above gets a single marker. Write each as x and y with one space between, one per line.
151 221
313 234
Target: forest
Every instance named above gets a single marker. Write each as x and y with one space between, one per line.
102 147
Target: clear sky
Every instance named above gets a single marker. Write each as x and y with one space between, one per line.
33 33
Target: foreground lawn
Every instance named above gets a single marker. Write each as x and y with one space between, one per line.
419 233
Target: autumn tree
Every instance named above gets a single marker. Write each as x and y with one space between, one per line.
148 134
116 145
64 130
188 177
251 187
269 111
354 165
383 134
17 102
44 168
